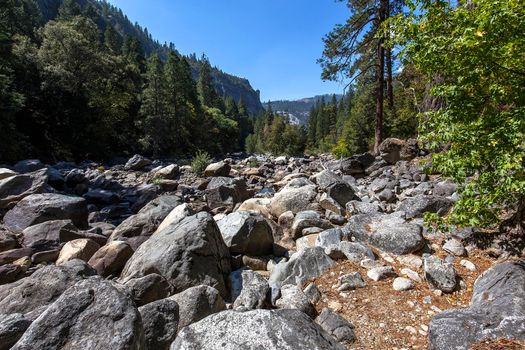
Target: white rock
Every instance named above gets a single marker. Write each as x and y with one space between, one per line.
380 273
413 275
402 284
468 265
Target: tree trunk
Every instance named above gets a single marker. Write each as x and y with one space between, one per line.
389 63
380 79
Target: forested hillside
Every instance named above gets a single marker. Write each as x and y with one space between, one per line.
104 13
86 85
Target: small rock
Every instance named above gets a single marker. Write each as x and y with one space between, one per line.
381 273
468 265
402 284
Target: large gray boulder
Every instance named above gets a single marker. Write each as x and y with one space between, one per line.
137 162
149 288
37 208
336 326
41 288
15 188
496 311
196 303
46 236
294 199
28 165
160 320
255 330
12 327
246 233
389 233
255 292
306 264
92 314
416 207
187 254
226 192
217 169
136 229
439 274
293 297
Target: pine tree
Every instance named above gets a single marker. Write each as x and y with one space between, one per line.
205 86
68 9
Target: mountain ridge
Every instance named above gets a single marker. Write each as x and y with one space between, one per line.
298 110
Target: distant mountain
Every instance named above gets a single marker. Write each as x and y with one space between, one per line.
298 110
226 84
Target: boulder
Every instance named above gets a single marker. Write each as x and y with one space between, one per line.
325 179
292 297
38 208
8 240
390 150
92 314
336 326
82 249
246 233
168 172
9 256
111 258
101 197
136 229
226 192
10 273
351 281
257 329
137 162
341 192
293 199
217 169
307 219
258 205
28 165
439 274
160 320
187 254
255 292
15 188
196 303
5 173
355 207
416 207
355 251
149 288
496 311
330 237
389 233
12 327
176 216
46 236
306 264
41 288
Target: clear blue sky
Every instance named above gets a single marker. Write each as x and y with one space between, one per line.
273 43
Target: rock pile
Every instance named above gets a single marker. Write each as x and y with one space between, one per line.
145 255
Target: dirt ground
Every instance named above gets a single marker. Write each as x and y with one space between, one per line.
389 319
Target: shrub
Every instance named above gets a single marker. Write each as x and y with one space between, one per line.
200 161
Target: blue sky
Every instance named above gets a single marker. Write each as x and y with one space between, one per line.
273 43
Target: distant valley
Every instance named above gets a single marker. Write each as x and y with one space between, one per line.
297 110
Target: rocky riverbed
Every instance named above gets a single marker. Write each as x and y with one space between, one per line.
261 252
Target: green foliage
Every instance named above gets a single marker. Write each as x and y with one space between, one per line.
273 134
80 86
200 161
474 54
